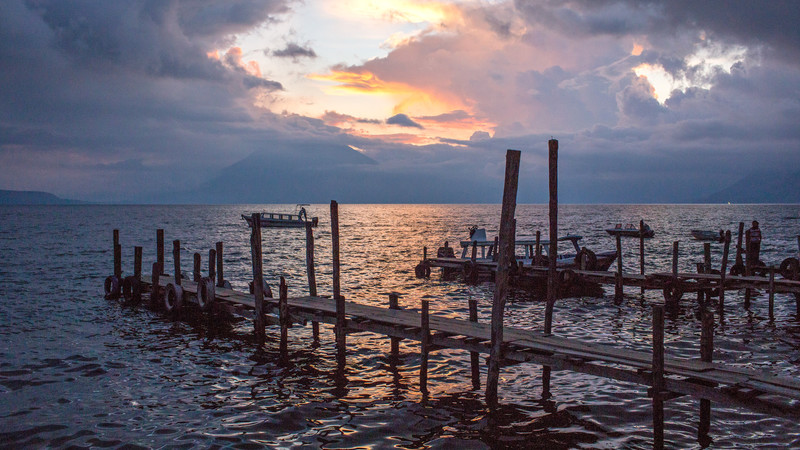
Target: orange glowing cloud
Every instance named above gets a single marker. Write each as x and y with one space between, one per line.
233 58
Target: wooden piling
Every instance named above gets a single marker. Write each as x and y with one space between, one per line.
748 268
394 303
212 265
675 260
283 314
641 250
538 246
658 376
618 278
706 355
424 346
220 272
341 332
474 357
552 276
724 273
311 274
160 248
176 257
258 279
154 294
739 260
117 256
504 261
196 270
771 293
137 262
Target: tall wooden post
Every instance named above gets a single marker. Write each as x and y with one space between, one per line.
258 279
504 260
641 250
474 357
538 250
312 277
771 293
176 256
658 376
748 268
160 248
117 256
341 332
424 346
394 303
618 277
196 270
137 262
212 265
675 259
283 313
724 273
739 260
220 272
552 276
706 355
154 288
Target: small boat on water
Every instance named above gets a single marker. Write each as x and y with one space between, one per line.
281 220
708 235
630 230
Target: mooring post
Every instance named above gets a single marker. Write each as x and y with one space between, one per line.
137 262
675 259
283 312
748 268
160 248
658 376
504 260
424 346
394 303
258 279
196 270
212 265
707 267
739 260
641 251
311 274
706 355
723 272
474 357
220 273
494 248
552 276
771 293
474 251
176 256
341 332
157 270
538 246
117 256
618 278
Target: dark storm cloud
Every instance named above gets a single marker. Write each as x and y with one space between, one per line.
403 121
295 51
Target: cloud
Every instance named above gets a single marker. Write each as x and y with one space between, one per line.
403 121
295 51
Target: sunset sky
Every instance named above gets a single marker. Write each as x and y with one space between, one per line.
651 101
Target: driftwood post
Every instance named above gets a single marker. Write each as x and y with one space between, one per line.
424 346
394 303
504 261
552 276
212 265
196 269
258 279
160 248
341 332
312 277
723 272
658 376
176 256
641 250
220 272
706 355
474 357
618 277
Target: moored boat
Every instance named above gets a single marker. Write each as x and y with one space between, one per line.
631 230
708 235
283 220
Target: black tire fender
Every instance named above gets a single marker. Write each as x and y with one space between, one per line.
673 291
173 298
789 267
112 287
206 293
586 259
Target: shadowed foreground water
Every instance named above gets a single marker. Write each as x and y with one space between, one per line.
77 370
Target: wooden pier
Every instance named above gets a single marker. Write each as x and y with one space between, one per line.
663 377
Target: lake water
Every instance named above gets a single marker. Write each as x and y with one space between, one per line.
78 370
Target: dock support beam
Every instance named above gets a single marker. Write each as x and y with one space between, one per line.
160 248
117 256
658 377
258 279
341 332
706 355
196 269
504 261
220 272
394 303
312 277
641 250
552 276
425 345
212 265
474 357
723 273
137 262
618 278
176 257
283 313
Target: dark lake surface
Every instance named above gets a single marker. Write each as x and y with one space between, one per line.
78 370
